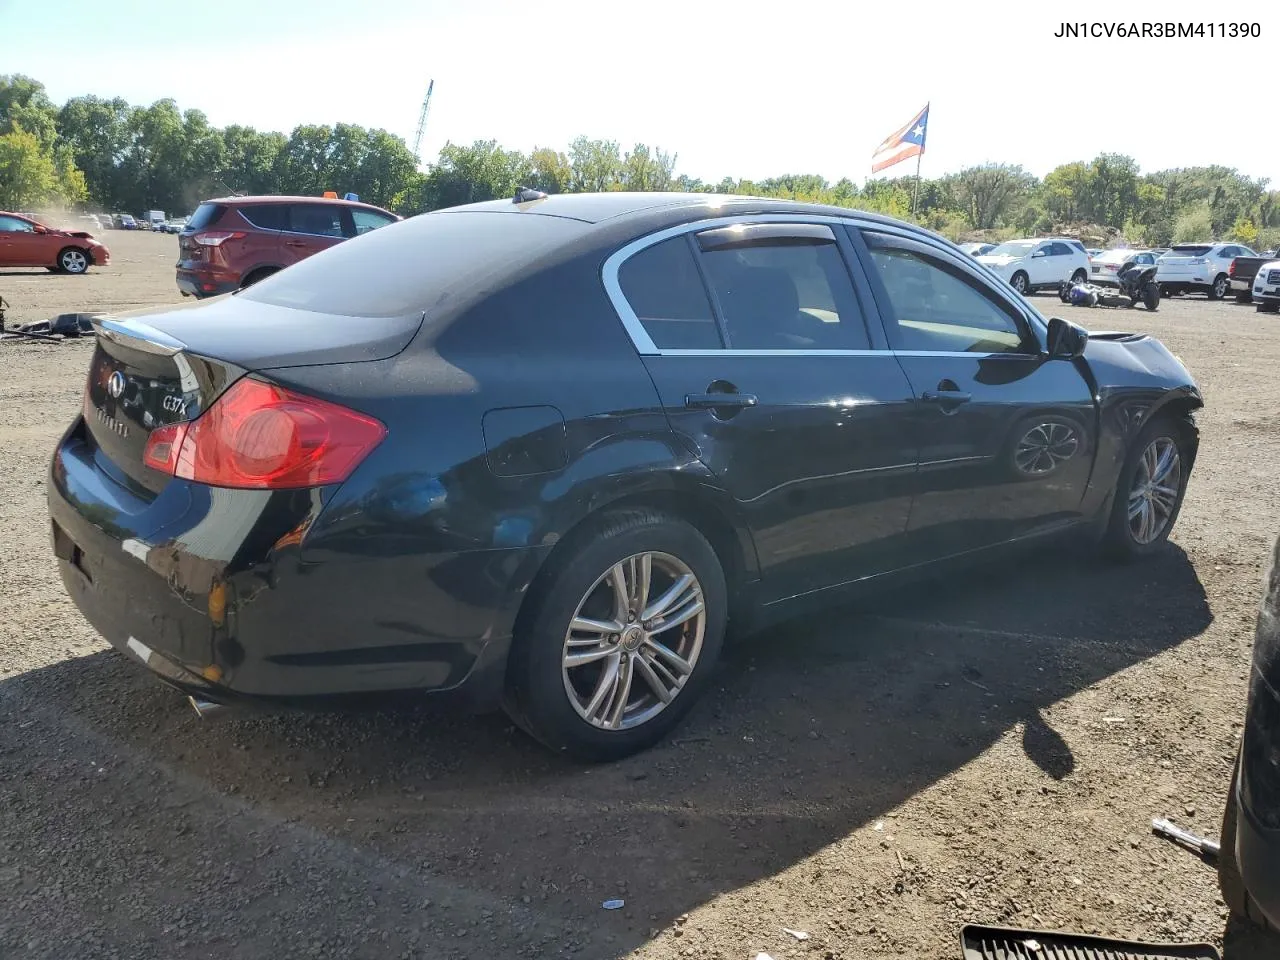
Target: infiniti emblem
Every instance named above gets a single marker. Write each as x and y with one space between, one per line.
116 385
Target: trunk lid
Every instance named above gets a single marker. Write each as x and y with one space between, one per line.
1185 255
153 368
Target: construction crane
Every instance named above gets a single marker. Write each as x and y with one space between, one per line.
422 122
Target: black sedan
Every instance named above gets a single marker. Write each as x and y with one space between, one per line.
540 451
1249 864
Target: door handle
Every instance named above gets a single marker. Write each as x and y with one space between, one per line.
946 396
712 401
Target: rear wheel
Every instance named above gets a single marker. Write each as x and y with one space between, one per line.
1151 296
256 275
1221 284
1149 491
1269 308
73 260
1019 282
620 638
1245 297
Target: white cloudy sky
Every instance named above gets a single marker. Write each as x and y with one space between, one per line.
743 88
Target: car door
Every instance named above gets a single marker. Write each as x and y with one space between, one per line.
19 243
767 369
1040 265
312 227
1006 437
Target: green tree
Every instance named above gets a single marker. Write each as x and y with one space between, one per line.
990 193
25 105
596 164
551 171
1195 225
647 169
96 131
28 177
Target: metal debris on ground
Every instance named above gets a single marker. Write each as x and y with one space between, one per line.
798 934
62 327
614 904
1201 845
1006 943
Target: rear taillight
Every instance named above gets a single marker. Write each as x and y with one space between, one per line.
1231 270
263 437
215 238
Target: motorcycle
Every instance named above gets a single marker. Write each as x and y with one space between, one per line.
1136 282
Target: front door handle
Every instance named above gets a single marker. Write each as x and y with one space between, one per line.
719 401
946 396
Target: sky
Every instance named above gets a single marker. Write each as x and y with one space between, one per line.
736 89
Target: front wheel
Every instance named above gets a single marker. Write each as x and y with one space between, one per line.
621 637
1221 284
73 260
1149 491
1019 282
1269 308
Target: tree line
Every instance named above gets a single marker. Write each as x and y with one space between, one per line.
110 155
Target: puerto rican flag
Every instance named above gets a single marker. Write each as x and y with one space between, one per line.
902 144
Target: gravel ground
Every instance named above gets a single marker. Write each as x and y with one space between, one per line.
987 749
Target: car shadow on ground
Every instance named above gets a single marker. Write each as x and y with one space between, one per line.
815 729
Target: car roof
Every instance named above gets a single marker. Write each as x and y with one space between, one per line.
275 198
617 207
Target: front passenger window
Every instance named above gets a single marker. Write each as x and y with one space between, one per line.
937 309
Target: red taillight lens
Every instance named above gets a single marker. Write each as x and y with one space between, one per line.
163 446
263 437
214 238
1231 270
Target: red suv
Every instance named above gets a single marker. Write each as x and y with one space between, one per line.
236 241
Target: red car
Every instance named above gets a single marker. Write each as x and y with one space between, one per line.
236 241
28 243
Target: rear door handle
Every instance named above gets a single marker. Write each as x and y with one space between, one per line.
718 401
946 396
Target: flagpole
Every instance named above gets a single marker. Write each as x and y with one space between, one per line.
916 192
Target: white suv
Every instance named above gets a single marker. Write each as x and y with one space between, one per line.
1031 265
1198 266
1266 287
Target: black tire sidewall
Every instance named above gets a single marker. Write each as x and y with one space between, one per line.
537 698
1120 541
1026 282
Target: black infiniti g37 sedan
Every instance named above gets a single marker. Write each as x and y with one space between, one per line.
538 452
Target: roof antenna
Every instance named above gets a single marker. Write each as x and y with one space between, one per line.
528 195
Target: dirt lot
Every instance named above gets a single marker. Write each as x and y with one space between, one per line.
989 749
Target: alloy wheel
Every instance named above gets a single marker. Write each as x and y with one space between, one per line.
1153 497
1220 287
1019 283
1044 447
634 641
73 261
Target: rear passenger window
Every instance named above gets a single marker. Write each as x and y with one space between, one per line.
366 220
266 216
785 295
664 288
318 219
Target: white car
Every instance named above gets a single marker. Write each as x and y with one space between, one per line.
1266 287
1204 267
1104 269
1031 265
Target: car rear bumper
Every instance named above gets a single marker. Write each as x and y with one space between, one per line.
198 283
212 590
1241 286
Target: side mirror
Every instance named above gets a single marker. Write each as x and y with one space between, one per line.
1066 340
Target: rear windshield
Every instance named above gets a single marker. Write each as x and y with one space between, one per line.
1190 249
410 266
206 215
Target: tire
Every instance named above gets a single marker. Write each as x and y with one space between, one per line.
73 260
1230 883
1245 297
551 700
1269 308
1080 276
1019 282
256 275
1121 541
1221 286
1151 296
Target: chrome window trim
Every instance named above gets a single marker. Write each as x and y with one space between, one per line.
635 329
647 348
